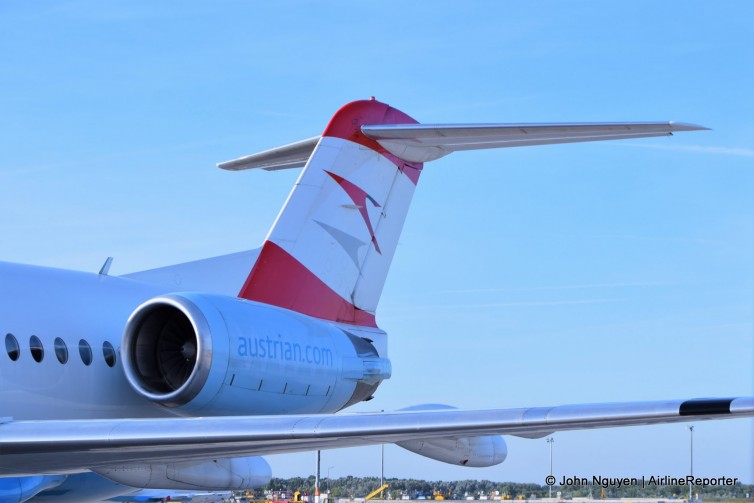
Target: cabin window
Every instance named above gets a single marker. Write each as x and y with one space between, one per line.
109 352
85 350
12 347
61 350
36 348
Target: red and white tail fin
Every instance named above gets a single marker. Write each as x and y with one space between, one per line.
329 251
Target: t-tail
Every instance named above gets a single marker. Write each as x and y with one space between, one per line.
329 251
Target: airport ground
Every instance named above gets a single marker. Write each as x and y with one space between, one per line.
241 499
367 489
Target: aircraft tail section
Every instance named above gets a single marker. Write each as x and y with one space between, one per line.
328 253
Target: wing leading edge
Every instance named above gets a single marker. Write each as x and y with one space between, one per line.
32 447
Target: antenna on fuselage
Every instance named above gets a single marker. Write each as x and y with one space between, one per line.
106 266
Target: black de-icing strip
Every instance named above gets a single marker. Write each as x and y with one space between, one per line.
705 407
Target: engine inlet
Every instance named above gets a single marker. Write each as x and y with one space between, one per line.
167 350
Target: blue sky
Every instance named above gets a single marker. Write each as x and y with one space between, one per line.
561 274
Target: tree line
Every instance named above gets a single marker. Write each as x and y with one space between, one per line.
358 487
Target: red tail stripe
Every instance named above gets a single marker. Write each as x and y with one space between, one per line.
279 279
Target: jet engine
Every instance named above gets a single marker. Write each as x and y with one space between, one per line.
218 355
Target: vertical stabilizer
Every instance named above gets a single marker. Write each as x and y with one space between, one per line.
329 251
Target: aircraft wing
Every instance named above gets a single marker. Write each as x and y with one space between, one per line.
30 447
427 142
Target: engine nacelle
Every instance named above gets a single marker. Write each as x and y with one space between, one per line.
219 355
224 474
477 451
483 451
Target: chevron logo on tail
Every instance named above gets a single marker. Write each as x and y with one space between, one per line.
359 198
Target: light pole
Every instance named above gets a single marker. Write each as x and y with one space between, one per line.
382 465
329 481
691 456
316 478
550 441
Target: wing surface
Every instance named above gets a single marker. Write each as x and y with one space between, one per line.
30 447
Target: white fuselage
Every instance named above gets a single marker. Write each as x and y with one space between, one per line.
73 307
67 358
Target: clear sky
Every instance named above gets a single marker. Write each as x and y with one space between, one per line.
539 276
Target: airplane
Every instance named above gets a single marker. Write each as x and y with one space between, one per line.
183 377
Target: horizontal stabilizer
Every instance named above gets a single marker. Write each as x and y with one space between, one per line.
427 142
293 155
